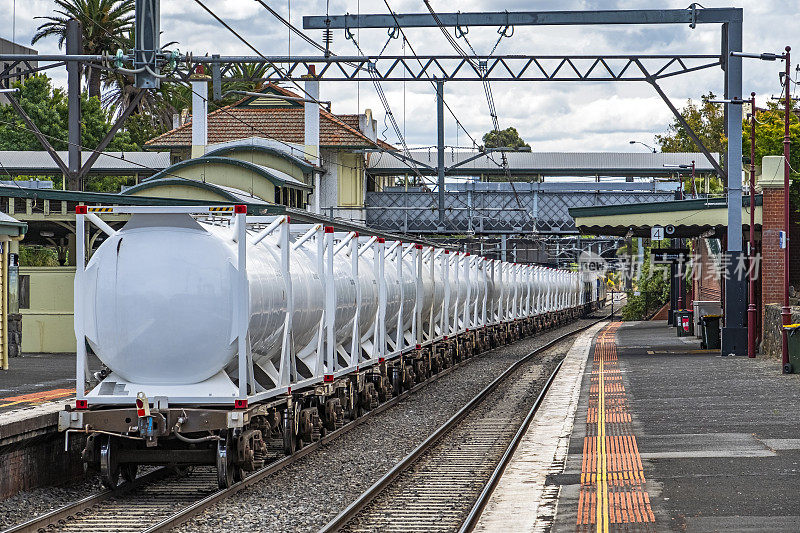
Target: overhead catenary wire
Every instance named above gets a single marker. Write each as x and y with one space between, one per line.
277 69
254 49
416 57
266 134
480 69
388 114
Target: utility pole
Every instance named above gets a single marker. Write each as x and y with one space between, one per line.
786 312
440 148
74 47
751 295
734 334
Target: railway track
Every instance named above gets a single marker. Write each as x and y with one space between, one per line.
445 482
161 499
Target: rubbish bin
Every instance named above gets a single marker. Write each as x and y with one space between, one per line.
710 331
684 322
793 342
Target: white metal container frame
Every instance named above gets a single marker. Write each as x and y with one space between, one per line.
453 293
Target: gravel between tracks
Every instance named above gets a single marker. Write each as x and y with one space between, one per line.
30 503
309 493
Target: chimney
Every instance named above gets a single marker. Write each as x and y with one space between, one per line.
311 138
199 82
311 131
368 125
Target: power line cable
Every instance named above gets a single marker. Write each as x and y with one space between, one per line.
280 71
253 48
414 53
481 69
388 111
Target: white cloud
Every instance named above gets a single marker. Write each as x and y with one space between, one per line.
552 116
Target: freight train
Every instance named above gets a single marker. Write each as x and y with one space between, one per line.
227 338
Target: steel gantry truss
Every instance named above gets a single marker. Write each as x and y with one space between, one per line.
598 69
167 66
496 68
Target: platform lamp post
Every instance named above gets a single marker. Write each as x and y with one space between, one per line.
680 177
751 278
643 144
786 312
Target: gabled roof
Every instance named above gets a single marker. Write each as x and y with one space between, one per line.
225 150
229 193
278 178
283 122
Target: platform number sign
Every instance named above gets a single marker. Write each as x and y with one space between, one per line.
657 233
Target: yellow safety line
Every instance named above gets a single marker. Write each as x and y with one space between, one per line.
602 478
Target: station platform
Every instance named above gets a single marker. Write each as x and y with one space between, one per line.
647 432
34 379
32 392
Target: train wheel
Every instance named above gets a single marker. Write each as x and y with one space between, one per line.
290 430
225 466
128 471
109 469
396 377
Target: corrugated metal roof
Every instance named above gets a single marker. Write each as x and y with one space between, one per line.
33 162
547 163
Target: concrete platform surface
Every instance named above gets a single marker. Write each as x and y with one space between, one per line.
688 440
35 379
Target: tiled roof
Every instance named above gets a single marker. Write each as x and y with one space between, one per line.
350 120
282 123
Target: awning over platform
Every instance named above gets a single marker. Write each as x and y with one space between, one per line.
690 218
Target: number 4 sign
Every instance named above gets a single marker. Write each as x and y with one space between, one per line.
657 233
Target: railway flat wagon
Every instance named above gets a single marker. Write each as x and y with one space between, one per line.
229 339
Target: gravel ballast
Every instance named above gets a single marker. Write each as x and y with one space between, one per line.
309 493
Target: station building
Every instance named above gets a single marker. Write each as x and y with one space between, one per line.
271 122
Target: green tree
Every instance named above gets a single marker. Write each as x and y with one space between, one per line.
653 287
105 24
35 255
47 108
770 128
707 120
508 137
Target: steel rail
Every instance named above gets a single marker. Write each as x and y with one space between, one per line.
343 518
196 508
53 518
475 513
59 516
80 508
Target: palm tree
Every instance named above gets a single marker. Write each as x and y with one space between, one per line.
105 25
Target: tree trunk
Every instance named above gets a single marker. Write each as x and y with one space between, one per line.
94 82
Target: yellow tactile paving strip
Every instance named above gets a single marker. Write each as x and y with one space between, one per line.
613 496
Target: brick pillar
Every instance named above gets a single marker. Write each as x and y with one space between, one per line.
771 183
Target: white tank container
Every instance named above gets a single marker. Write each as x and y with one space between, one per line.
160 299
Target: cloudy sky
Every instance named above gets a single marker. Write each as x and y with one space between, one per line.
550 116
